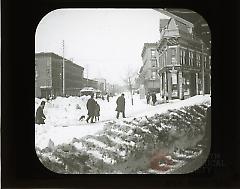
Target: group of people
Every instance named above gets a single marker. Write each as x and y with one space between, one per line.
92 106
93 109
153 96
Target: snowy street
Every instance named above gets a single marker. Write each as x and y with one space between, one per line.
62 117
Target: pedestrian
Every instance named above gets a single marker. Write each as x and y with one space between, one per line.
166 93
91 105
97 112
154 98
40 117
120 106
108 97
148 98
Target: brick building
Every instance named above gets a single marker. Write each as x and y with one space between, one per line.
49 76
148 76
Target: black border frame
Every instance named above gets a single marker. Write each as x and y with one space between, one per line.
20 165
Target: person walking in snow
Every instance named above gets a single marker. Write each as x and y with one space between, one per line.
108 97
148 98
91 105
120 106
40 117
154 98
97 112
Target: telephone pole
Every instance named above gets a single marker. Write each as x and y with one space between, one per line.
130 85
63 80
87 75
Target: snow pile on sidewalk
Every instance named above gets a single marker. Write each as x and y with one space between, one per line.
155 141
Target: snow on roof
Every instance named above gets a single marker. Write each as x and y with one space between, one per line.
88 89
45 87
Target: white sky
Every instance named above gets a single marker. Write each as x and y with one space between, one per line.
107 41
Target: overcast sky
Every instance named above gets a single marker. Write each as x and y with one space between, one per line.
108 42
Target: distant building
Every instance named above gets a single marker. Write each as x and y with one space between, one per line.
182 61
49 76
148 73
102 84
90 83
114 88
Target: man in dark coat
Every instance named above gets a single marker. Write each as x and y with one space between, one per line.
121 106
154 98
148 98
40 117
108 97
91 105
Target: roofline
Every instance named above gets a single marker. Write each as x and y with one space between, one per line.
175 17
148 45
56 55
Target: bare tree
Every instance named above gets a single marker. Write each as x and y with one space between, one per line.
129 81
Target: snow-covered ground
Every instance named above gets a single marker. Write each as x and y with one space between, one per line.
163 138
62 116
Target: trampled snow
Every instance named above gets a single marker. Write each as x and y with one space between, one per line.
62 116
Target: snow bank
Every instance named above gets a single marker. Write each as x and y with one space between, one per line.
129 143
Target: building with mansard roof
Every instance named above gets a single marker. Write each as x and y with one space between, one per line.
183 60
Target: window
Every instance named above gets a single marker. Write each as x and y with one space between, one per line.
160 63
209 62
153 53
205 61
154 63
190 58
198 59
182 56
48 70
174 78
173 55
36 72
165 59
161 60
153 75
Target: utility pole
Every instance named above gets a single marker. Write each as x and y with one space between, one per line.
130 85
87 75
203 78
63 70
